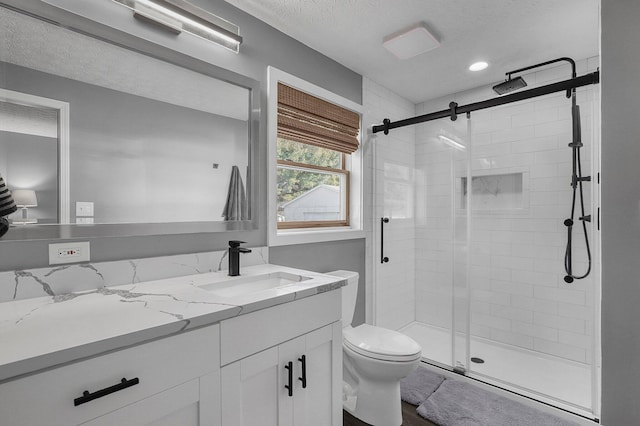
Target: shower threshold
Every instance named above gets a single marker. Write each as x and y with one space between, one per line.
555 381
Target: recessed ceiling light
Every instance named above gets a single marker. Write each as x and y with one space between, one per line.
410 42
478 66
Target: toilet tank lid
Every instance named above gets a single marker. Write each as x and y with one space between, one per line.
367 338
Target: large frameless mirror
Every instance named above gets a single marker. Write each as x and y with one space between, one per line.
97 139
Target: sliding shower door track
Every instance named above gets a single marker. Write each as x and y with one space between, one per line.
512 390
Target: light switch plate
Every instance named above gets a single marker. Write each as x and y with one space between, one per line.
72 252
84 208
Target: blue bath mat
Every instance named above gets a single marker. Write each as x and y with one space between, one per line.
456 403
419 385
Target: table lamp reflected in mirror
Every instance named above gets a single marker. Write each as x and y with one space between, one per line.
7 206
25 198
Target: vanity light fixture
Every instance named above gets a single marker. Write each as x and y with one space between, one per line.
181 16
24 199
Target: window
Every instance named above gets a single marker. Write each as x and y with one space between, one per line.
315 140
314 153
312 186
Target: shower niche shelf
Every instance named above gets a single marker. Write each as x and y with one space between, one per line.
496 193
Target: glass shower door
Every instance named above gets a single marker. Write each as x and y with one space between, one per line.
530 330
441 320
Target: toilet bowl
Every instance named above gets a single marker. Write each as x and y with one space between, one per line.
375 359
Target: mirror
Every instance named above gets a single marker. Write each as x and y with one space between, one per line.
103 137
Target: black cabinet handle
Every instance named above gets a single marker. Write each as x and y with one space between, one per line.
289 366
383 258
303 379
88 396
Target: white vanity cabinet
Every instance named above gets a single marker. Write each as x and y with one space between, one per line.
171 381
283 365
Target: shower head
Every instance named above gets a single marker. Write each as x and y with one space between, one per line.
509 85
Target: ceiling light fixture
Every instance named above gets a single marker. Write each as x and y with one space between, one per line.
410 42
178 16
478 66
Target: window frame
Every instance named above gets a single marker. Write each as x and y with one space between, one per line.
343 170
283 233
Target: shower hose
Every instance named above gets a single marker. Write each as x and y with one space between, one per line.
576 183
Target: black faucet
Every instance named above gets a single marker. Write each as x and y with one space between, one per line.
234 257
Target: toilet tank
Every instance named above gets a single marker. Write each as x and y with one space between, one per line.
349 294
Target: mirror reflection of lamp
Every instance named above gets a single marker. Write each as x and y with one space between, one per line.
7 206
25 198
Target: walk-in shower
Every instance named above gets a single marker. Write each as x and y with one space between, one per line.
494 193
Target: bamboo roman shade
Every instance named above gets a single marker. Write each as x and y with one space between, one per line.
307 119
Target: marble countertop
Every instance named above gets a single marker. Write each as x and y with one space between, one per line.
43 332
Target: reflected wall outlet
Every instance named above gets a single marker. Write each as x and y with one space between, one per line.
69 252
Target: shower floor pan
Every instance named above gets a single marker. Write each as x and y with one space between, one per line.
556 381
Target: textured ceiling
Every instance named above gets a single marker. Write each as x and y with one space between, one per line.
28 120
508 34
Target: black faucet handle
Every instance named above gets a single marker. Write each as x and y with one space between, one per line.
235 243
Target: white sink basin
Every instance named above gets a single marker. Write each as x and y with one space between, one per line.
253 284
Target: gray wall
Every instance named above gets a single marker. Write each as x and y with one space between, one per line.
138 159
262 46
326 257
620 212
26 162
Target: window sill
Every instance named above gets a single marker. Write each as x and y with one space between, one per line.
287 237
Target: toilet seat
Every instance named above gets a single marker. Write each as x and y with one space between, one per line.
381 343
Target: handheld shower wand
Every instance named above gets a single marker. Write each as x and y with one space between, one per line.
576 184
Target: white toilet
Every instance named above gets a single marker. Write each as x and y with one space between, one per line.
374 361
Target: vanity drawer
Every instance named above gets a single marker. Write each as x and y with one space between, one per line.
245 335
47 398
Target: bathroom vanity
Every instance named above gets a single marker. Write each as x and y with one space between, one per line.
263 348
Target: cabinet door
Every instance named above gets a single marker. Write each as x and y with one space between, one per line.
249 390
255 390
321 402
289 355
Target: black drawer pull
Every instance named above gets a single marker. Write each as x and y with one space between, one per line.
289 366
88 396
303 379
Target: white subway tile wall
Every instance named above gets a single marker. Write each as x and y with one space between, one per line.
389 160
518 295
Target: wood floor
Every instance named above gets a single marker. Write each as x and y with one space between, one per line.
409 418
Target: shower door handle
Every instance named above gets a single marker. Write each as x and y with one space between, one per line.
383 258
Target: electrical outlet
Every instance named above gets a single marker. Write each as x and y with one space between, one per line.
69 252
